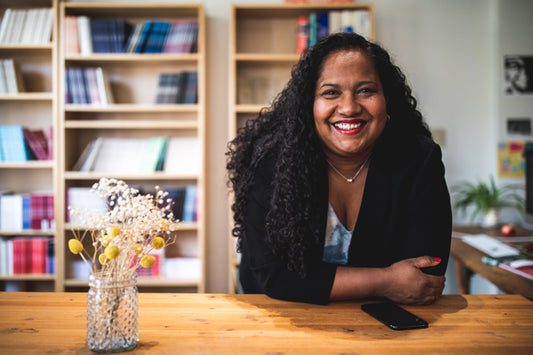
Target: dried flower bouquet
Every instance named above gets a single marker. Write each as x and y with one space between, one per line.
124 236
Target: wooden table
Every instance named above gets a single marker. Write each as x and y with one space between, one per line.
55 323
466 256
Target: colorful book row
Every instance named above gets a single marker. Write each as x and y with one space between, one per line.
26 255
19 144
120 155
85 35
26 26
177 88
87 86
317 25
31 211
183 203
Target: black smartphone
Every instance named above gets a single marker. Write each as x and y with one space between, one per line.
394 316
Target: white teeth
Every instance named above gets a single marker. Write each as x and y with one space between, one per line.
346 126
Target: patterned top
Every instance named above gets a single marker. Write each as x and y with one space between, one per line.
338 240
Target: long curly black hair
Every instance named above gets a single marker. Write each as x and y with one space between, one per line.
286 129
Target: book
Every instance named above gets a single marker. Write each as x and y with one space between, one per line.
323 25
38 143
83 199
141 41
13 145
104 87
183 156
88 156
302 37
156 37
522 267
334 21
72 40
13 75
134 36
5 25
190 93
84 33
189 205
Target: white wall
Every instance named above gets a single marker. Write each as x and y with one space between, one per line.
449 50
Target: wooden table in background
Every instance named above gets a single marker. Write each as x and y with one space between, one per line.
55 323
466 256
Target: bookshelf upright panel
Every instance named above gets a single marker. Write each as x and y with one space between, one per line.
28 180
144 111
263 50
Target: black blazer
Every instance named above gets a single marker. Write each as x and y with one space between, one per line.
405 213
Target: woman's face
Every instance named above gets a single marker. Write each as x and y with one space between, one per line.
350 106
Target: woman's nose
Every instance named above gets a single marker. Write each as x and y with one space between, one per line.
349 106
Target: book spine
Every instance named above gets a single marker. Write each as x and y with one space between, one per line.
302 37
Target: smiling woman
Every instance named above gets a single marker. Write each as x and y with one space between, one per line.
339 187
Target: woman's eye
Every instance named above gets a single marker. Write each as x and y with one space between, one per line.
329 93
366 91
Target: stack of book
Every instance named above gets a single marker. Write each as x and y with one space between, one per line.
184 202
11 81
86 35
123 155
20 212
26 255
19 144
87 86
317 25
177 88
26 26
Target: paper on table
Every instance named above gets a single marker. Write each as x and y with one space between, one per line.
490 246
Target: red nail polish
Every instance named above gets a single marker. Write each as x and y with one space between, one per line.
437 259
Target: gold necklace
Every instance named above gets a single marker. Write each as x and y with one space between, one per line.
349 180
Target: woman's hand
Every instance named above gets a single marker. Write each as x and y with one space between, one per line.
407 284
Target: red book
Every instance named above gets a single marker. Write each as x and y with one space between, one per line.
39 250
49 214
21 256
37 211
38 143
302 36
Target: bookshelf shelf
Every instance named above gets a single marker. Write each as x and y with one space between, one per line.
134 81
262 53
128 108
28 277
266 57
142 57
28 232
28 96
141 124
32 164
94 176
144 282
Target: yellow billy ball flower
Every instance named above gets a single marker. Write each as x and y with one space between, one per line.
106 240
102 258
158 242
147 261
114 231
138 249
111 252
75 246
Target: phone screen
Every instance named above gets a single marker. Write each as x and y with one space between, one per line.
394 316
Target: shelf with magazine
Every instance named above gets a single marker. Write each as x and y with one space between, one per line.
266 41
133 108
28 169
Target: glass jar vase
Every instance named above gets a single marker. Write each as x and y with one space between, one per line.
112 313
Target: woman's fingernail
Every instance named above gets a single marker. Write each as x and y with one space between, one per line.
437 259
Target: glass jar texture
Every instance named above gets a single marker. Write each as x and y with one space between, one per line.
112 313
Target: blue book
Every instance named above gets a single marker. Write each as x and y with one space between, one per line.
323 29
313 29
143 37
14 147
189 205
26 212
190 94
156 37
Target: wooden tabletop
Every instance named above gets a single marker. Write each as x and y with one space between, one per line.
471 258
55 323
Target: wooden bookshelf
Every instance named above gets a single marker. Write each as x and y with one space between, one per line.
134 114
261 54
35 107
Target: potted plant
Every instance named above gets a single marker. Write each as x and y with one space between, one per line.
487 198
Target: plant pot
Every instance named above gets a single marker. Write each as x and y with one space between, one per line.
491 218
